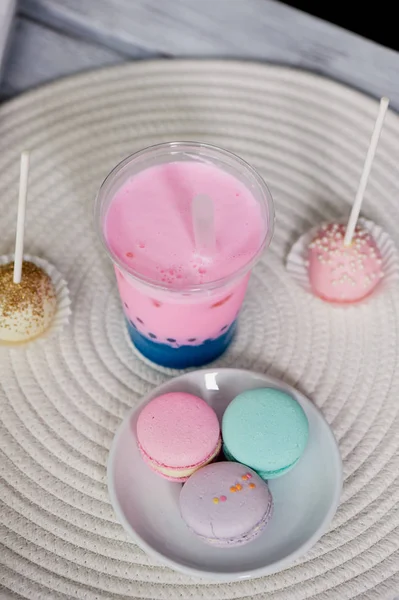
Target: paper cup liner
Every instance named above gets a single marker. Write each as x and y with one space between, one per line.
63 311
297 262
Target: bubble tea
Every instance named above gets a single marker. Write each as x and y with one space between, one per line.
181 304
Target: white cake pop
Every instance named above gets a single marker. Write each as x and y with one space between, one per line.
26 308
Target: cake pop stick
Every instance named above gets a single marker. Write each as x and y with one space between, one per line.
350 229
19 239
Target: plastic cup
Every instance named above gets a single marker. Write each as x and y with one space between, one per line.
190 325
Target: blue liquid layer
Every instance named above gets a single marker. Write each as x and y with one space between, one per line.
181 357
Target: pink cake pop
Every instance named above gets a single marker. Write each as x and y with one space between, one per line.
340 273
344 260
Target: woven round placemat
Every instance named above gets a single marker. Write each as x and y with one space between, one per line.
61 402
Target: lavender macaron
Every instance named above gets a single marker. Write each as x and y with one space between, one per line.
226 504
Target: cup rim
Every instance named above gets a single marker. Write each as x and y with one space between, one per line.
196 288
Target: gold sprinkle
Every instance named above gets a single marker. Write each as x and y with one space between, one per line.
34 287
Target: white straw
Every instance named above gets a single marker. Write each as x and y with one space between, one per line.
203 224
19 239
350 229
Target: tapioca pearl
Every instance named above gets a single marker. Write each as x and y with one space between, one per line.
171 340
192 339
125 303
132 324
153 336
140 320
224 328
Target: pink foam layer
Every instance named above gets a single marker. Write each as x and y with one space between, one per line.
149 223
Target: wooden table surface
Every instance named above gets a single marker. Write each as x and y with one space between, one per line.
55 38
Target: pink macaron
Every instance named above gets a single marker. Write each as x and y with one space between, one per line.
177 434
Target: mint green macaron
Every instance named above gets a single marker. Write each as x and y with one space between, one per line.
265 429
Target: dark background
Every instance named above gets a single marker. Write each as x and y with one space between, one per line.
375 21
